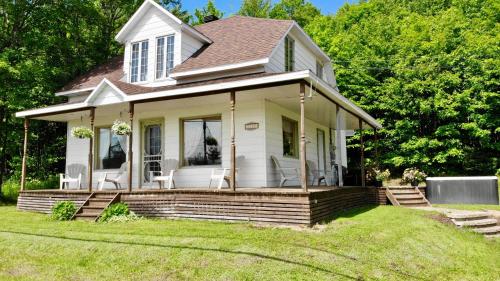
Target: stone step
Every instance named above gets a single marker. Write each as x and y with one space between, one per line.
492 230
468 216
482 223
492 236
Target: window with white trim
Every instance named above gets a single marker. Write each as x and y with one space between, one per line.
289 54
164 55
319 69
139 62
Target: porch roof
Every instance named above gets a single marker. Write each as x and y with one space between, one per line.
139 94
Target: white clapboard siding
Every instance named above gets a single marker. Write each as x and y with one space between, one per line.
189 46
274 142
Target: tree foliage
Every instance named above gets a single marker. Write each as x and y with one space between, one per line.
255 8
302 11
429 71
208 10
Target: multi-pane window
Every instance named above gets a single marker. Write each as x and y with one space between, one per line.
164 55
319 69
111 149
202 141
139 62
290 137
289 54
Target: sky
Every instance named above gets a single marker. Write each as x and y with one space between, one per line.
230 7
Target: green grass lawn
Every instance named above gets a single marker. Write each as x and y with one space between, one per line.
471 207
382 243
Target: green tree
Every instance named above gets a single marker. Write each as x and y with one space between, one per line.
429 72
175 7
301 11
255 8
208 10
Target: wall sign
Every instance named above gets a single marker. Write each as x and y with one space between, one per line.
251 126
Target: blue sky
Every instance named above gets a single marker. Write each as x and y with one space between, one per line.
232 6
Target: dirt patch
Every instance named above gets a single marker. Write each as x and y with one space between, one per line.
440 218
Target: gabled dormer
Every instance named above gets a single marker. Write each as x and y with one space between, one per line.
155 42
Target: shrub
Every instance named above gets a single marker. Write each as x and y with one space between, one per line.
124 218
63 210
114 210
413 176
11 187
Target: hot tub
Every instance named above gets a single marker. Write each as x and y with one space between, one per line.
462 190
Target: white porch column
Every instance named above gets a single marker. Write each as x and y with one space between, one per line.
302 148
232 180
91 149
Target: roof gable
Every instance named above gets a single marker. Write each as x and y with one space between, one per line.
105 93
143 10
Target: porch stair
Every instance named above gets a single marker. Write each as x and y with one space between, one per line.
406 196
95 204
480 222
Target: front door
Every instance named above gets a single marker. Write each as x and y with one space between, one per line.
152 152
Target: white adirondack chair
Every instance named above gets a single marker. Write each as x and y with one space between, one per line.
74 173
168 168
116 179
286 174
219 175
316 174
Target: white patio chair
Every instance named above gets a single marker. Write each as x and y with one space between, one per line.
116 179
286 174
315 174
74 173
168 168
219 175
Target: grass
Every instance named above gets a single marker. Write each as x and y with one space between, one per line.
469 207
382 243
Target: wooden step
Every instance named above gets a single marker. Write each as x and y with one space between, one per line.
404 192
406 202
482 223
95 205
407 196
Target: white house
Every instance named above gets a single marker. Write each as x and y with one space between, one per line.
193 94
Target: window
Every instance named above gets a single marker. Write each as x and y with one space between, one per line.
110 149
290 137
139 62
319 69
202 141
289 54
164 56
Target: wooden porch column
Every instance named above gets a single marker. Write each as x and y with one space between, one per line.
338 146
302 154
232 180
363 179
25 153
91 149
130 154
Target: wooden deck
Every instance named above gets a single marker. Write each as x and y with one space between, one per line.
266 205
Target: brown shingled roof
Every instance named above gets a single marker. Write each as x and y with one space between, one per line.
112 70
235 40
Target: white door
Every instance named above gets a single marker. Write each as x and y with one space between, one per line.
152 152
321 151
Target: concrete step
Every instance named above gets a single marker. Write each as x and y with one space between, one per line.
492 230
482 223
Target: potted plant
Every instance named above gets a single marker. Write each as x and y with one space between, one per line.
413 176
121 128
82 132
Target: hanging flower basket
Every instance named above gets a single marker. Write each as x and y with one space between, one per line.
121 128
82 133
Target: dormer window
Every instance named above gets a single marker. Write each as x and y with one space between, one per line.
289 54
319 69
164 55
139 62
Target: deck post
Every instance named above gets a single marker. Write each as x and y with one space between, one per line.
232 180
302 154
362 147
91 149
130 155
25 153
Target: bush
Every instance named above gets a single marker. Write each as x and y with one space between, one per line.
11 187
114 210
63 210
